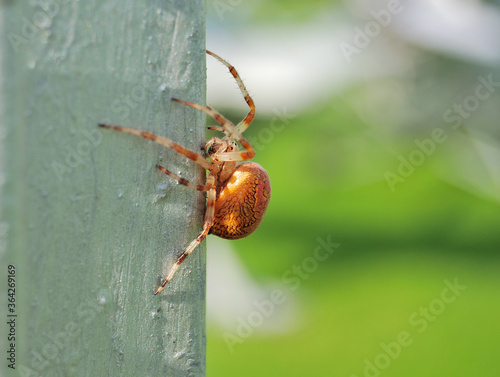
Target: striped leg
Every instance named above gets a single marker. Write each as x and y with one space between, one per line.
242 126
232 132
183 181
200 160
209 220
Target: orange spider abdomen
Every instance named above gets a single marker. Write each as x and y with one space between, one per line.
242 202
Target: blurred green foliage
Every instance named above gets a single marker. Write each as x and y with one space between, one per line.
397 250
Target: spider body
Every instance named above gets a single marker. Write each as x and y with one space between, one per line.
238 194
241 202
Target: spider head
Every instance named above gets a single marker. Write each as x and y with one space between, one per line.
216 146
222 167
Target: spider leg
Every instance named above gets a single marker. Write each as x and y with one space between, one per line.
209 220
232 132
200 160
183 181
216 128
242 126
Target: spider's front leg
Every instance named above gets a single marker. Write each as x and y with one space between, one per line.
242 126
229 129
209 220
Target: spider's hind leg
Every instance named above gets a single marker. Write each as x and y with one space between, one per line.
229 129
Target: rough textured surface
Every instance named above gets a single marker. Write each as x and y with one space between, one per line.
92 225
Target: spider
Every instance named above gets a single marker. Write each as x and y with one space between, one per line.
238 194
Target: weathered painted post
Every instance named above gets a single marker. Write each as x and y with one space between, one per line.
88 222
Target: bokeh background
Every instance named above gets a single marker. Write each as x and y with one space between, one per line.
378 123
